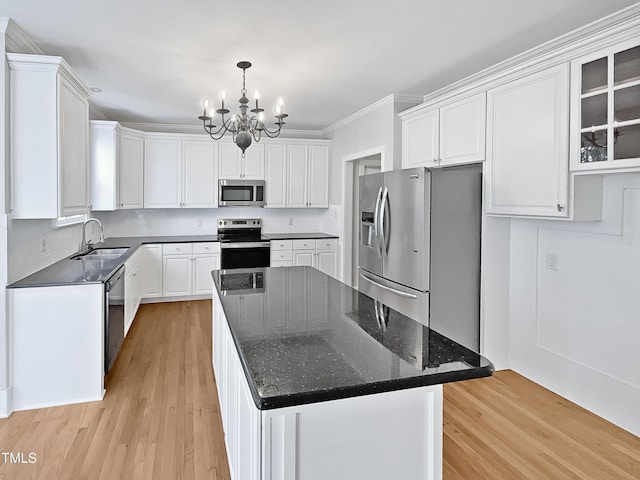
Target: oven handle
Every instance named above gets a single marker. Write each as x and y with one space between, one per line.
246 245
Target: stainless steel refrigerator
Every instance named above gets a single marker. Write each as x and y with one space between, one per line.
419 249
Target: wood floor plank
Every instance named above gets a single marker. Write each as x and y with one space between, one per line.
161 420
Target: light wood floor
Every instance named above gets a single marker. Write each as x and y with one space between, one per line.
160 420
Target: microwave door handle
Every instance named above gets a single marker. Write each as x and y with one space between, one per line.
376 223
383 228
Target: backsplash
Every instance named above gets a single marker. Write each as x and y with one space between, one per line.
27 254
138 223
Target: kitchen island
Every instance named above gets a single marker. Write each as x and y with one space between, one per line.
316 380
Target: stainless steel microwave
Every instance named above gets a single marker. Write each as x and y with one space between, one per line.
241 193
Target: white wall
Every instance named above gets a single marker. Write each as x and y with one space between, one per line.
576 329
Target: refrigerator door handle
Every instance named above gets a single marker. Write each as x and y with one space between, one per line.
376 224
392 290
383 207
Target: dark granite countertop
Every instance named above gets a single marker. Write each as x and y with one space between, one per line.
297 236
73 272
304 337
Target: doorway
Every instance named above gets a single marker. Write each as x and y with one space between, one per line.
354 166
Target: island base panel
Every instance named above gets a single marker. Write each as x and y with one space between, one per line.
388 435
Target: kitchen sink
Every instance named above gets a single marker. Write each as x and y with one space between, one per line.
102 254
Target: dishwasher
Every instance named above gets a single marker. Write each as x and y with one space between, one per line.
113 317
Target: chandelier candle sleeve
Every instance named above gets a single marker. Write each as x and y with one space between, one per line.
243 126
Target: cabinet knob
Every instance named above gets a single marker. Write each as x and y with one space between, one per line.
560 207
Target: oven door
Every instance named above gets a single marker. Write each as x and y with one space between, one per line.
244 255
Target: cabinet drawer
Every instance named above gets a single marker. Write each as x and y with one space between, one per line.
327 244
206 247
304 244
281 245
281 255
176 248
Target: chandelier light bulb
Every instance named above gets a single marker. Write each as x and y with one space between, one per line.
256 94
278 109
261 116
280 101
223 95
205 103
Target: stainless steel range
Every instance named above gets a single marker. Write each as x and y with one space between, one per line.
242 244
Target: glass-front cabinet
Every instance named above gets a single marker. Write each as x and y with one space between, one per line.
605 110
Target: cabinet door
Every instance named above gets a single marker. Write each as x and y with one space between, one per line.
202 267
229 167
420 140
130 171
318 177
199 167
74 150
304 257
297 175
326 261
176 275
162 173
527 151
462 131
276 176
253 163
248 431
153 271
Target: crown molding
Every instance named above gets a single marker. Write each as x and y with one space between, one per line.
16 40
198 130
389 99
95 114
606 31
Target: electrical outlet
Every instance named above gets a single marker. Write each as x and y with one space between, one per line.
335 214
551 261
43 245
148 223
199 223
291 221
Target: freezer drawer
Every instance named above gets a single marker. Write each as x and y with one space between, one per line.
412 303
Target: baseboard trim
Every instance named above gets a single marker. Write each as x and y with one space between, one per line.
6 404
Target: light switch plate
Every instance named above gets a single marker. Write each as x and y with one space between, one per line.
551 261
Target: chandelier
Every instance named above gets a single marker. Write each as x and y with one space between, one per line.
244 127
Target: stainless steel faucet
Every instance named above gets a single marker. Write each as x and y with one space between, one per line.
85 244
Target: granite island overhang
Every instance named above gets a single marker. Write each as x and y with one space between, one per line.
315 378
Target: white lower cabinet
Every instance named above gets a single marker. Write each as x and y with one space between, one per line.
318 253
153 271
186 268
134 286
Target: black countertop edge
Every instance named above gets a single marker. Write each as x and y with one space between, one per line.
367 389
298 236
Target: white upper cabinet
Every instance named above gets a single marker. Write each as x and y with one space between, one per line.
318 177
199 174
450 135
50 176
162 172
131 170
527 145
297 175
275 160
232 166
308 176
462 131
605 108
116 158
420 140
179 172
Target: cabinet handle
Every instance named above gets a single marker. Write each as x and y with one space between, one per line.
134 274
559 207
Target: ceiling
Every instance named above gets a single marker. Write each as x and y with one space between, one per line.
156 60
